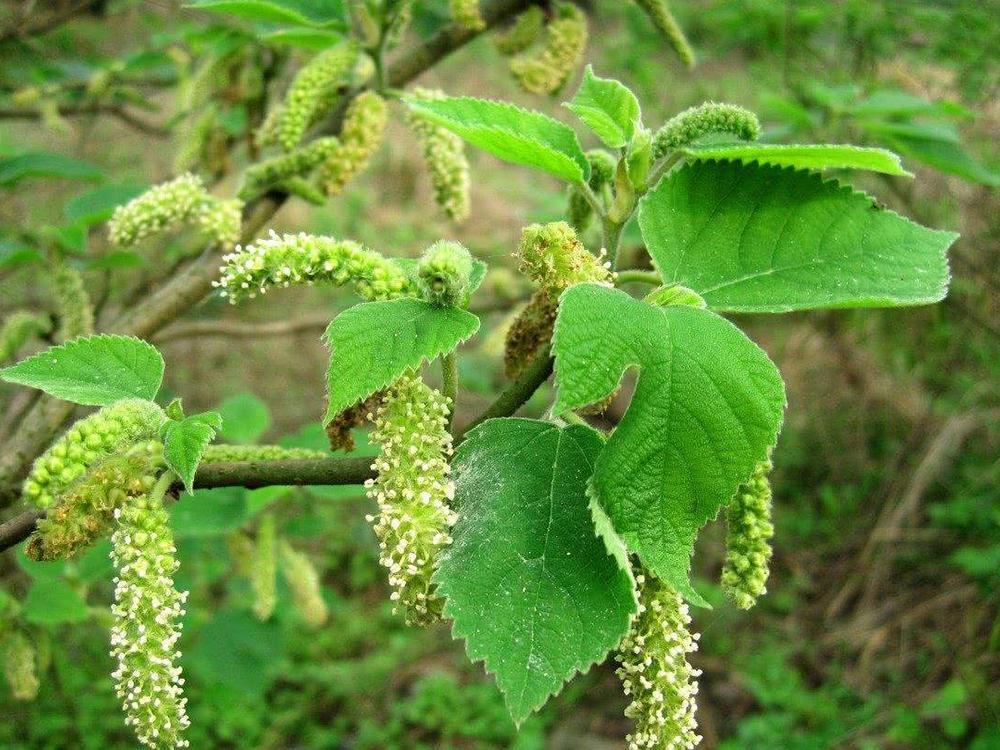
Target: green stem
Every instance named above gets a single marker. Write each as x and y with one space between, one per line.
642 277
664 166
449 378
515 395
161 487
611 234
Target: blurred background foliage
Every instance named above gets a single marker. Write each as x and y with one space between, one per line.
881 626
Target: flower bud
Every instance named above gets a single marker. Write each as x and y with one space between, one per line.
710 117
444 272
748 540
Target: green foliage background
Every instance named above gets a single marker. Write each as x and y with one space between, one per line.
880 629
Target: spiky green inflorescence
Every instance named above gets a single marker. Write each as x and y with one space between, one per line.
444 271
304 189
444 154
602 170
19 665
264 569
525 31
222 453
18 328
546 71
710 117
194 139
85 511
147 612
221 220
748 540
361 134
308 259
664 21
313 91
114 429
271 172
655 672
413 493
74 311
530 333
553 256
467 14
159 209
303 580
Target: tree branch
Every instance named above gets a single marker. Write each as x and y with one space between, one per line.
515 396
96 108
23 28
241 330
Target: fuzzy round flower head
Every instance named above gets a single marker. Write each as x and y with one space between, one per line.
553 255
303 580
17 328
276 170
123 425
525 31
313 91
444 272
664 22
530 333
158 209
221 220
444 154
147 612
307 259
710 117
85 511
72 303
413 492
748 540
364 127
546 71
655 672
466 13
19 665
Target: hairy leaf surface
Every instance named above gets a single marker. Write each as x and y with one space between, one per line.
607 107
184 442
707 407
531 587
804 156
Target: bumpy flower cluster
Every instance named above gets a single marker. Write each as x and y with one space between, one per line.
159 209
112 430
85 511
530 333
339 430
220 219
364 126
466 13
444 154
222 453
664 21
566 39
72 303
146 628
524 32
19 665
602 170
304 189
264 568
710 117
274 171
303 580
444 271
553 255
313 91
748 540
655 672
307 259
413 493
17 328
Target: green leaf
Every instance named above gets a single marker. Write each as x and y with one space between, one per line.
244 418
707 408
607 107
296 12
753 238
238 651
516 135
52 601
937 145
315 40
804 156
184 442
209 512
13 169
92 370
530 586
97 205
373 344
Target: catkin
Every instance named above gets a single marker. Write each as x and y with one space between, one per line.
159 209
553 256
748 540
525 31
444 154
362 132
530 333
18 328
270 172
546 71
313 91
72 303
265 565
466 13
222 453
710 117
444 271
664 21
19 665
303 580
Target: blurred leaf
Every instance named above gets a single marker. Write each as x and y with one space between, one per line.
117 259
97 205
52 601
94 563
237 650
936 145
259 499
895 103
309 39
40 569
14 254
70 238
244 418
209 512
44 164
296 12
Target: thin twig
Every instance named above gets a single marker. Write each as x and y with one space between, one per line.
516 395
241 330
96 108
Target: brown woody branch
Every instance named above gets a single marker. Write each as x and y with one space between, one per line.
95 108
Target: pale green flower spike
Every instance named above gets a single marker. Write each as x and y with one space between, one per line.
530 333
72 303
304 189
444 272
553 255
313 91
546 71
222 453
655 672
303 580
194 138
18 328
271 172
525 31
710 117
444 154
466 13
307 259
221 220
413 492
748 540
147 611
123 425
19 665
664 21
160 208
364 127
263 574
